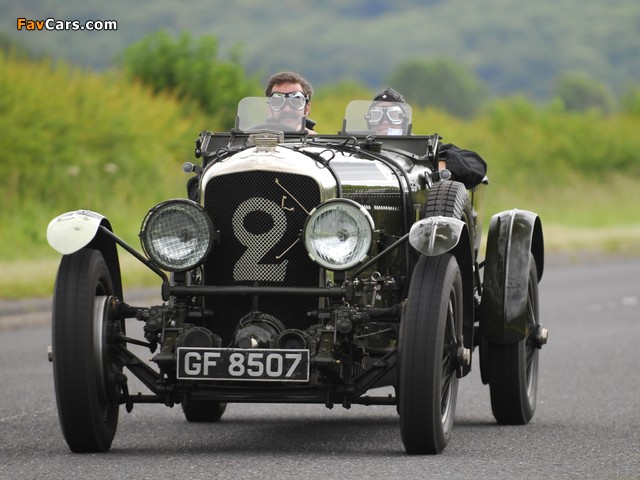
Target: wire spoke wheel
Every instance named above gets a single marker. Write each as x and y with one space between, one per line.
429 334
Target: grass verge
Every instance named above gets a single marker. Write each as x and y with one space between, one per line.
36 278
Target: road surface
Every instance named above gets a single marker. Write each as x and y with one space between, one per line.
587 422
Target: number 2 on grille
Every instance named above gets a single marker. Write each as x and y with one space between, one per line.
258 244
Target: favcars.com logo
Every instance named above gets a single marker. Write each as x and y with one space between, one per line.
53 24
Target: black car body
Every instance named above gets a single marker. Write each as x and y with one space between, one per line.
304 269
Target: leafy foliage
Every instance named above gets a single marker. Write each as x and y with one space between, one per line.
73 139
189 68
579 92
440 83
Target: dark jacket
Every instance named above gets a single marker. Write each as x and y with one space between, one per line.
465 166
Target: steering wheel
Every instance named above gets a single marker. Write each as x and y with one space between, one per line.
277 126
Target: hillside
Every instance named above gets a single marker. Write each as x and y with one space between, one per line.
514 46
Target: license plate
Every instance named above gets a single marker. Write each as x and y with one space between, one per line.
244 364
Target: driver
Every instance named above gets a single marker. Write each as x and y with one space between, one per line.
289 97
389 114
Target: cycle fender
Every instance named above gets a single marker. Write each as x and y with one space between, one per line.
72 231
434 236
514 239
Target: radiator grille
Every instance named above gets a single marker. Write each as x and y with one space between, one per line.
260 215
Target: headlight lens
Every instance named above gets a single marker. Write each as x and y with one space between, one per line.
338 234
176 235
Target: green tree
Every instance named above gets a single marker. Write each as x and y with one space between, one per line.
189 67
440 83
579 92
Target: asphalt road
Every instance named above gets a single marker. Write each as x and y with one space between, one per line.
587 422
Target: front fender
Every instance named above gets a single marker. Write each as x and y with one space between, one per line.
73 231
434 236
514 239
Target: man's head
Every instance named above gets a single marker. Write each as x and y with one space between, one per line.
289 98
389 114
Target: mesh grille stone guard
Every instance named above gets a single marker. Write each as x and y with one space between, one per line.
260 245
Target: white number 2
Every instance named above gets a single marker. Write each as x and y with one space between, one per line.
248 266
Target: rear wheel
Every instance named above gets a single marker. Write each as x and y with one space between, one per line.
430 334
513 368
85 376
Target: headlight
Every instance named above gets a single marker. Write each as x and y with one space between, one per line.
176 235
338 234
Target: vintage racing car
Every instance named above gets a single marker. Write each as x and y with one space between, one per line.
327 269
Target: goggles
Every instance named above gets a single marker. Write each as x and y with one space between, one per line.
297 100
394 113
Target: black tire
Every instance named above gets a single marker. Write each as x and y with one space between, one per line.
513 368
203 411
85 377
449 199
427 354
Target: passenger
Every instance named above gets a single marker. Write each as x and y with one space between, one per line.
387 112
290 100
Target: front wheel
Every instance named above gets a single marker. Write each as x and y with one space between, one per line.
430 336
513 368
85 376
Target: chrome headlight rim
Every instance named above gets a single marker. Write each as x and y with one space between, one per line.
202 235
359 214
